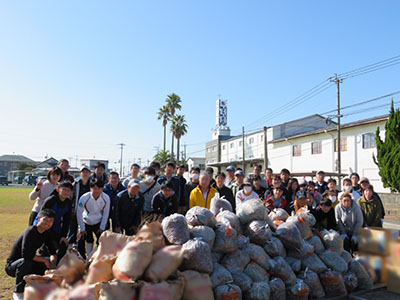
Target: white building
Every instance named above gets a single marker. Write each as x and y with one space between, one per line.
90 162
199 162
304 146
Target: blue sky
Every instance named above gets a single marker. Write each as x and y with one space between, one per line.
78 77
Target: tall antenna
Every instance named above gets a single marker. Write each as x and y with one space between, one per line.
122 145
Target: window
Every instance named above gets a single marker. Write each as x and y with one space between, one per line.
223 147
368 140
343 142
214 148
208 150
251 140
296 150
262 137
232 144
240 143
316 148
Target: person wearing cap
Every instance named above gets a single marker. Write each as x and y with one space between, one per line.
230 175
324 215
258 188
191 185
112 189
92 215
238 184
203 193
349 218
128 209
276 199
364 183
321 185
223 190
300 202
371 207
80 187
246 193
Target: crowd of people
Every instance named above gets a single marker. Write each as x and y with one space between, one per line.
71 213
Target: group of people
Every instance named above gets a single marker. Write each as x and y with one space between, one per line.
70 212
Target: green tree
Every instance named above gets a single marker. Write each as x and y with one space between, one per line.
25 166
173 103
163 114
178 129
388 151
163 157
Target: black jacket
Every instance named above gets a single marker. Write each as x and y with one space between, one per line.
227 192
165 207
63 210
182 181
188 189
128 211
321 188
323 220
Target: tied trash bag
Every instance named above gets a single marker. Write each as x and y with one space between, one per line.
228 217
220 275
100 270
165 290
197 256
283 271
346 256
197 286
228 291
38 287
332 260
367 266
200 216
251 210
258 291
274 247
333 283
218 204
204 233
332 240
294 263
278 214
163 263
236 261
301 224
316 242
242 280
350 281
258 255
290 236
304 251
314 263
255 272
312 280
277 289
216 257
258 231
116 290
298 291
243 241
111 243
364 281
133 260
175 229
225 238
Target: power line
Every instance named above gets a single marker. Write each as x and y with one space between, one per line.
368 108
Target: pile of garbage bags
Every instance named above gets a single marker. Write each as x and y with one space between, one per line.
211 254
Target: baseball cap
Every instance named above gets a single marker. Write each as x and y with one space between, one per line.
239 172
133 182
320 171
246 182
301 194
364 179
230 168
85 168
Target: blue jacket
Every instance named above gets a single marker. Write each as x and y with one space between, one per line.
113 194
176 183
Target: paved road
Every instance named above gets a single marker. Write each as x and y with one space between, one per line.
391 224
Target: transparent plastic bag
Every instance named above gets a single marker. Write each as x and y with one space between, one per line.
332 260
290 236
243 241
278 214
298 291
333 283
225 238
294 263
236 261
197 256
346 257
219 204
283 271
277 289
306 250
200 216
259 232
364 280
251 210
312 280
314 263
258 255
204 233
316 242
230 218
227 291
175 229
258 291
242 280
274 247
220 275
332 240
255 272
350 281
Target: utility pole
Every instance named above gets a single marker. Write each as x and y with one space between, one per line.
184 147
122 145
265 148
243 158
339 142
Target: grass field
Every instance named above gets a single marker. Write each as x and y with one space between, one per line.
15 208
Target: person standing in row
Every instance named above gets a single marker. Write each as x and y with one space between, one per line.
371 208
179 173
238 184
230 176
112 189
321 185
203 193
42 190
246 193
258 188
193 183
148 188
135 172
170 176
165 202
99 172
63 164
223 190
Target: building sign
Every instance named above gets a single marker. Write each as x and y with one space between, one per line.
222 112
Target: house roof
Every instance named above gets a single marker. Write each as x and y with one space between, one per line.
15 158
333 127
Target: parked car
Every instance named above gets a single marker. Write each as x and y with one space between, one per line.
3 180
40 178
30 180
18 179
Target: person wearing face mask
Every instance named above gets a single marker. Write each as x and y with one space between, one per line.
148 188
371 208
193 183
246 193
156 166
347 188
333 196
349 218
223 190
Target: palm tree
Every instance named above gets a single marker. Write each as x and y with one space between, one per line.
163 114
178 128
163 157
173 103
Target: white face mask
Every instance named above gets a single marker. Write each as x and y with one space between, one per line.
333 199
347 188
148 179
247 189
157 172
194 176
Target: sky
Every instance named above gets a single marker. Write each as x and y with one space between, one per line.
79 77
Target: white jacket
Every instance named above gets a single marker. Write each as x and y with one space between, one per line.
91 211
